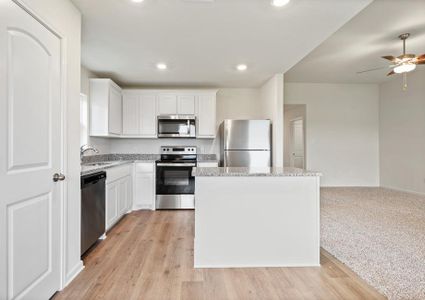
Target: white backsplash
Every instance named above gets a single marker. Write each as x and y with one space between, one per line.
152 146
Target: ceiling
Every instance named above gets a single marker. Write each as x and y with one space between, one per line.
203 41
360 43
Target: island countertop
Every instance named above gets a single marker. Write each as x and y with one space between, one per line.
253 171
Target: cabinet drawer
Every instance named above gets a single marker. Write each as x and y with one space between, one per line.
145 167
117 172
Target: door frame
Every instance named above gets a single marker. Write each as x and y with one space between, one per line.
64 137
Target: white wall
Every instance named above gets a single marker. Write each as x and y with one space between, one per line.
64 18
271 94
402 133
342 131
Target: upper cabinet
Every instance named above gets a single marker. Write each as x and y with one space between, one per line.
167 104
176 103
206 115
105 108
133 113
186 104
139 114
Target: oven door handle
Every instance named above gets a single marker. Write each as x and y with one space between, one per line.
175 165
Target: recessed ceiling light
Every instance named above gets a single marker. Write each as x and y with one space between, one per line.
137 1
280 3
241 67
161 66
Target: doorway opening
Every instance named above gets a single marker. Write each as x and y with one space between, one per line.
295 136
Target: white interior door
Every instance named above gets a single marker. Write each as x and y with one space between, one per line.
30 153
297 144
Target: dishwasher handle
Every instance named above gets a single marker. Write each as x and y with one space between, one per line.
92 178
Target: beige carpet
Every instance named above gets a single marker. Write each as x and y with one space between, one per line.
380 235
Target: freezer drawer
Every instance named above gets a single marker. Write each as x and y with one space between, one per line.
247 159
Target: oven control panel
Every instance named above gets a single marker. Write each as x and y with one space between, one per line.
178 150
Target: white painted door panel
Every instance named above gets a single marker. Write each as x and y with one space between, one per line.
206 116
111 204
147 115
167 104
123 196
30 153
130 115
186 104
297 144
115 111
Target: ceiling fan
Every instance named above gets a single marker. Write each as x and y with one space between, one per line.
402 64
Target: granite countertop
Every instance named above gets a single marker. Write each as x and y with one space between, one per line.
255 171
101 166
99 162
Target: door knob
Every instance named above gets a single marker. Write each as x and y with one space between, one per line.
58 177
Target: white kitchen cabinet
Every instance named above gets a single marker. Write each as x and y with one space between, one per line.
139 114
119 193
124 195
105 108
142 107
167 104
178 103
206 116
186 104
144 186
147 115
130 114
111 204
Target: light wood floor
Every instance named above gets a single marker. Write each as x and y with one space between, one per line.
149 255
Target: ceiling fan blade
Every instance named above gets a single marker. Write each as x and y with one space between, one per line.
420 60
391 73
408 56
390 58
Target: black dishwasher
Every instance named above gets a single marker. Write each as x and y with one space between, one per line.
92 209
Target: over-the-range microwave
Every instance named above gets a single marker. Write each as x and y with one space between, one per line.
176 126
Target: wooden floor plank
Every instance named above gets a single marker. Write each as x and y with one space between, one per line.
149 255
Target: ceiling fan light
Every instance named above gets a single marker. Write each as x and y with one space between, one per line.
404 68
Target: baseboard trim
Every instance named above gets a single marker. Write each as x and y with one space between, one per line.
74 273
402 190
200 266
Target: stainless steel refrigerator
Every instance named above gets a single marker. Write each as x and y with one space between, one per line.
246 143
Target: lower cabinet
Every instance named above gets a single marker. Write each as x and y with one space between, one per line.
118 194
144 186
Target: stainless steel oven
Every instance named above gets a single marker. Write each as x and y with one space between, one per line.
175 185
176 126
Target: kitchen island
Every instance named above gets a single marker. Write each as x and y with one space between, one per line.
256 217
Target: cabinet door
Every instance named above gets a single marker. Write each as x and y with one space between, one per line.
129 200
115 111
130 115
111 204
167 104
144 197
186 104
147 115
122 196
206 116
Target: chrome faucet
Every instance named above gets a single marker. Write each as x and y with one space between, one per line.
85 148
